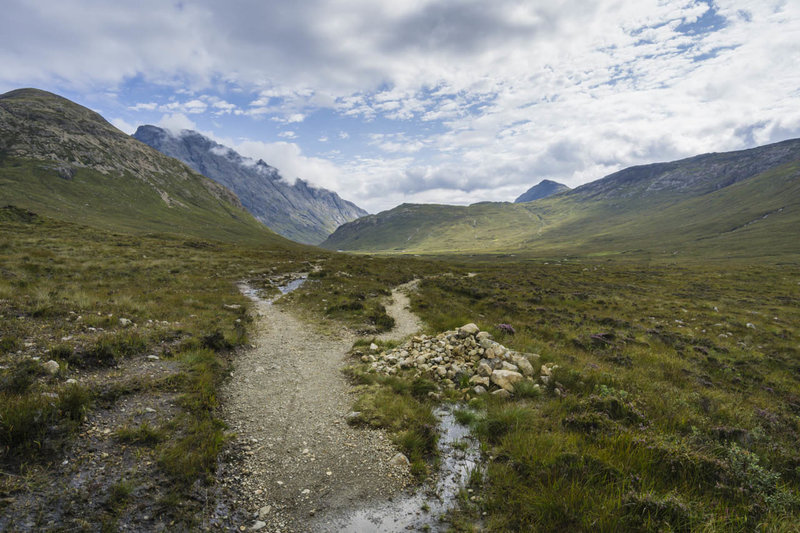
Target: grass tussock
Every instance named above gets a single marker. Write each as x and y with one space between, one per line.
401 407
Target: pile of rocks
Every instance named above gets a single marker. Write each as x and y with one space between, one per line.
466 359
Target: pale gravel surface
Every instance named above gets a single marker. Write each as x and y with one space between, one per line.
406 323
287 401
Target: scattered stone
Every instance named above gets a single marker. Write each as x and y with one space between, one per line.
506 379
124 322
153 357
373 347
750 325
480 380
72 381
51 367
523 365
258 525
501 393
467 330
509 366
264 512
547 371
400 460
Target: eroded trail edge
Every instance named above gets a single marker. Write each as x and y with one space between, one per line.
287 402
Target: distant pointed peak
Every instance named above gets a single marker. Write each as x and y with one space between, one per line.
543 189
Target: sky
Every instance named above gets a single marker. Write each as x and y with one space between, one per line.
434 101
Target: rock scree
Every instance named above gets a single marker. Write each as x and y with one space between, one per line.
466 359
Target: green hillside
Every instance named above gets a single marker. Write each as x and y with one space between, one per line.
709 210
62 160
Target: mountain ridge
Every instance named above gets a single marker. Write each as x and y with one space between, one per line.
298 211
66 161
745 202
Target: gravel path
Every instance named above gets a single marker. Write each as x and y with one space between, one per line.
287 401
406 323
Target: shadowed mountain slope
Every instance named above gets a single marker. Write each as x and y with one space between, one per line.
299 212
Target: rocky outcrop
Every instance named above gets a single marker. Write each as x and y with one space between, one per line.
466 359
64 161
693 176
38 125
298 211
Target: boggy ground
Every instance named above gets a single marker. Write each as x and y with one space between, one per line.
296 459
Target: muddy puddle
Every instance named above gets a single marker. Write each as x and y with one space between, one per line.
422 510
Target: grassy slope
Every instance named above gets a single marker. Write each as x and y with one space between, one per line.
63 160
125 203
714 225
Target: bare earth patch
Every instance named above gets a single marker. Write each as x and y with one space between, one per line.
295 457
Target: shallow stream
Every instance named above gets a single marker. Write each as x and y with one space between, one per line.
254 294
422 510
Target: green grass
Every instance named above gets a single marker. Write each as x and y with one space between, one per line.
144 435
402 408
63 292
754 218
684 418
674 405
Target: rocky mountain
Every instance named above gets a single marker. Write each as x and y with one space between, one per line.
63 160
297 211
543 189
744 203
692 176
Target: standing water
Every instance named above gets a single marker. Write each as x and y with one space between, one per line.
422 510
253 293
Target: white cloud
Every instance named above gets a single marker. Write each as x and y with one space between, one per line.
493 96
290 161
176 122
123 126
194 107
222 107
144 106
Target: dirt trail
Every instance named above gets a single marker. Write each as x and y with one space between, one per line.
287 401
406 323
